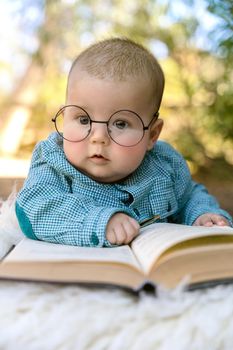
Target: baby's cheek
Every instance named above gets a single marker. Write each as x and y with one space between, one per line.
132 158
74 152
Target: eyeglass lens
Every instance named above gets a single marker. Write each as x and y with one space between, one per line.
124 127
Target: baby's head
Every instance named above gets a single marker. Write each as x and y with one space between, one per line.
120 60
110 120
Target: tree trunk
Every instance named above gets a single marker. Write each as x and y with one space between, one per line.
16 117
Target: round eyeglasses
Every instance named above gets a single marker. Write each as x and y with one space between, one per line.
124 127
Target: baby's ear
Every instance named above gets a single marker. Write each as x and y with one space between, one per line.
155 131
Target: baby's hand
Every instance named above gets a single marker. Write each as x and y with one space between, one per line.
210 219
121 229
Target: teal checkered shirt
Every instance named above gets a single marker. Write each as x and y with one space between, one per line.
60 204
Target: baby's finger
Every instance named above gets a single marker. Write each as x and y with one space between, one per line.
204 220
111 237
131 229
219 220
135 224
120 234
207 221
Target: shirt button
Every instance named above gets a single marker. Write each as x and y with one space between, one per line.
129 199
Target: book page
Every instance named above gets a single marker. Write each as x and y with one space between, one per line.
157 238
30 250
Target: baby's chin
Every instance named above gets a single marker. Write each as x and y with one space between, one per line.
105 179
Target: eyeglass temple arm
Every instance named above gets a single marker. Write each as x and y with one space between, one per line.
155 116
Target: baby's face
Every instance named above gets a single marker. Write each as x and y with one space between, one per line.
98 156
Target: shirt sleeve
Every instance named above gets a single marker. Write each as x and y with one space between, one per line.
193 198
47 210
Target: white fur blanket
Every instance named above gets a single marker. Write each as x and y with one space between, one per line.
36 316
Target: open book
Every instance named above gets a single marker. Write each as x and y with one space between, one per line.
162 254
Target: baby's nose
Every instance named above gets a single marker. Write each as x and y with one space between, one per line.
99 133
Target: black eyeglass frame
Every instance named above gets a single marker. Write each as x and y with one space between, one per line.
144 128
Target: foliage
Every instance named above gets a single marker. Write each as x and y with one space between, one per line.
224 33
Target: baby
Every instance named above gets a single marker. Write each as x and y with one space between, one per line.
104 174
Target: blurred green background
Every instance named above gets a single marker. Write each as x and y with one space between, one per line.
192 39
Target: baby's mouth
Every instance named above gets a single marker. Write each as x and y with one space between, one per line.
99 157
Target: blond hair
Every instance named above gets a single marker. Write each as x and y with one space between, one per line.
121 59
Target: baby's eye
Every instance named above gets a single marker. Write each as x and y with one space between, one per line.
83 120
121 124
